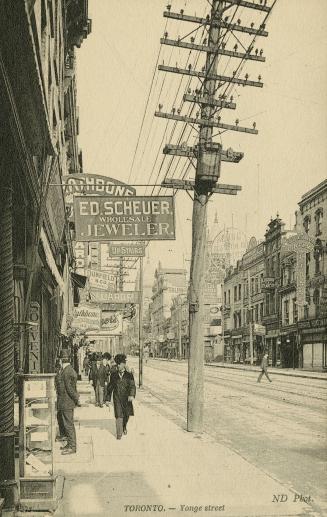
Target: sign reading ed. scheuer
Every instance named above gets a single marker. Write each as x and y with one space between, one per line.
105 218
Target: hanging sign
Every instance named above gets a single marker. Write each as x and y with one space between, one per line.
117 297
95 185
86 318
34 338
130 250
112 322
101 279
103 218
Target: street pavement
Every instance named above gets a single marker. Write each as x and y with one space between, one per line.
161 468
278 427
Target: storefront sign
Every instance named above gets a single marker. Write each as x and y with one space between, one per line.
86 318
315 323
34 339
260 330
112 322
127 251
94 185
101 279
104 218
116 297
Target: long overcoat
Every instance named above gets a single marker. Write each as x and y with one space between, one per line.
67 394
120 389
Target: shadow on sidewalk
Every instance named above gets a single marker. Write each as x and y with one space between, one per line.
107 424
104 493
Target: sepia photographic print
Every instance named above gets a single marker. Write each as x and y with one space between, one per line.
163 258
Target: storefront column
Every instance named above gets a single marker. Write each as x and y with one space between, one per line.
8 488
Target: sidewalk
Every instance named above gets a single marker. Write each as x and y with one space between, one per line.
157 468
304 374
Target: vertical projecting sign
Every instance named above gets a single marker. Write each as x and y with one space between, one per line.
34 339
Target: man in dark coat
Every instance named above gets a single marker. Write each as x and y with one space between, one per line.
99 377
122 388
264 368
67 400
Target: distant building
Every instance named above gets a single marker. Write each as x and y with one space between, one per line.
243 306
311 219
168 283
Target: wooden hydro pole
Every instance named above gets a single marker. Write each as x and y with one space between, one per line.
208 156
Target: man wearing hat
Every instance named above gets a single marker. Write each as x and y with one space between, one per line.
122 387
99 377
67 400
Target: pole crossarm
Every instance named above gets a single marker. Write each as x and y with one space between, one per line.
250 5
206 123
210 77
216 24
188 152
212 49
220 188
209 101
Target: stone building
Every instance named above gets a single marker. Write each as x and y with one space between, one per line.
243 307
168 283
38 131
179 324
311 219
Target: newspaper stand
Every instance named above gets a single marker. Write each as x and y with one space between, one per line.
36 442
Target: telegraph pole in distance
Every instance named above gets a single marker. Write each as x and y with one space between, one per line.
208 155
141 324
250 318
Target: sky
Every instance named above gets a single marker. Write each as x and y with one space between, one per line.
116 66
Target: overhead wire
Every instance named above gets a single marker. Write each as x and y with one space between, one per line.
145 109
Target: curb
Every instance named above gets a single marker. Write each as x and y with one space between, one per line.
301 375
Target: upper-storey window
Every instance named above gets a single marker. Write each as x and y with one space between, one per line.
306 223
318 219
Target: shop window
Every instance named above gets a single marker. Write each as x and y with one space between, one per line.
318 221
306 223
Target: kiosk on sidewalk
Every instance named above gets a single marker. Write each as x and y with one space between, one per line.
36 442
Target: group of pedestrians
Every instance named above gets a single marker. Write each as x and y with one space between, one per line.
113 383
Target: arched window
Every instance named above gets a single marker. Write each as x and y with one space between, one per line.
316 301
318 219
318 256
306 223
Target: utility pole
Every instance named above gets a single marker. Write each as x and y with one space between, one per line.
250 318
208 155
141 324
180 312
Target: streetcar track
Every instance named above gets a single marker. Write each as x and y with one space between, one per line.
263 389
